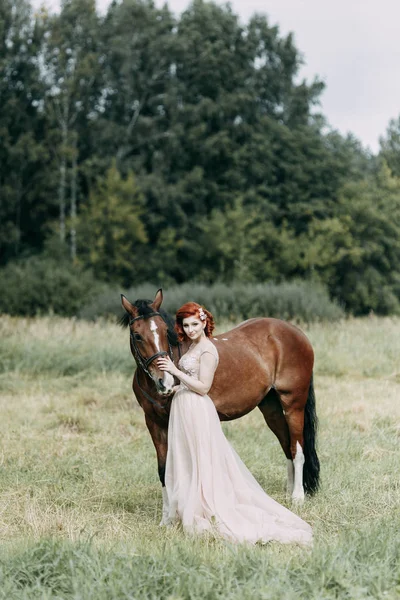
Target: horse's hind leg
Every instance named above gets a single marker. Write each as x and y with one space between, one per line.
293 406
272 411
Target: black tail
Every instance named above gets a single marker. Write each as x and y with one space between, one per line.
311 465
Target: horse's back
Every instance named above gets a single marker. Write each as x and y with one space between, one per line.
255 356
260 335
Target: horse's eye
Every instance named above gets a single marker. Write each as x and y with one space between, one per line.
138 338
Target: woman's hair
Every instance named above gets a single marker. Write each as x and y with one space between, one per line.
192 309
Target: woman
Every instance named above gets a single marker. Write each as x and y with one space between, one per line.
209 488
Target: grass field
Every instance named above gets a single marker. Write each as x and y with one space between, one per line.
80 499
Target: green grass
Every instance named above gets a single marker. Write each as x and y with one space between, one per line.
80 500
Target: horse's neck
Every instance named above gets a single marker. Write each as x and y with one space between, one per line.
185 346
179 350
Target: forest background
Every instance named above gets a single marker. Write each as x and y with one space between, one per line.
140 147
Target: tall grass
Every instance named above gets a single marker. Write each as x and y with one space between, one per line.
80 498
62 347
65 570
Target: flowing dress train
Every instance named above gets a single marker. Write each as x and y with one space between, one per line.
209 487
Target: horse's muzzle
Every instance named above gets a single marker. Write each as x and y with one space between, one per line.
162 389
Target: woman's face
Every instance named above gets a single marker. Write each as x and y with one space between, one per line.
194 327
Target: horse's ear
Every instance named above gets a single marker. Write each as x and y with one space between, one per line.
130 309
157 300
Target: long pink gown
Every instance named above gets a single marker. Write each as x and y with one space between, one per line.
209 487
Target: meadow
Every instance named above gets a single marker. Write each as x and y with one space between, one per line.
80 499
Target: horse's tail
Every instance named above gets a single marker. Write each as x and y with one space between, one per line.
311 464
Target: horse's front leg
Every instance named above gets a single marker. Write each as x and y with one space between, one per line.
159 435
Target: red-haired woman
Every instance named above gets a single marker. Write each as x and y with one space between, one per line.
208 487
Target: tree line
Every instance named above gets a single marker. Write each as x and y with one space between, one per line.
140 146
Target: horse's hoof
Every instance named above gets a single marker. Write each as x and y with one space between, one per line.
298 499
165 522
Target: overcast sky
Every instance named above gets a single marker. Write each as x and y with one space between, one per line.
353 45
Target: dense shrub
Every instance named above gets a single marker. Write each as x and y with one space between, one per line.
39 285
297 300
42 285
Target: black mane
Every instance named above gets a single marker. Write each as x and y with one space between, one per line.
144 310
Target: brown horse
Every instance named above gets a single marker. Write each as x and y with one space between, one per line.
264 363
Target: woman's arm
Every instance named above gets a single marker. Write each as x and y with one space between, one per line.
208 365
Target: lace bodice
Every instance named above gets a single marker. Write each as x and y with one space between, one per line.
189 363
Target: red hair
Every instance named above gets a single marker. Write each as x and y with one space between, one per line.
192 309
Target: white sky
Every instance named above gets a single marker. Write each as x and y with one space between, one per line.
353 45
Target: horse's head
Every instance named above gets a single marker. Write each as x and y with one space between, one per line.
152 334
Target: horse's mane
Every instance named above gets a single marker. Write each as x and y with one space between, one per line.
144 309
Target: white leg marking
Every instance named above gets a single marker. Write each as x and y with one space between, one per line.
168 380
165 520
290 477
298 462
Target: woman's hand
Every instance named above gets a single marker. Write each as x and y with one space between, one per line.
165 364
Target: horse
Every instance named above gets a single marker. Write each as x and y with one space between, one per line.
263 362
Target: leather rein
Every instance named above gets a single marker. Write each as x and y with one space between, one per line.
144 363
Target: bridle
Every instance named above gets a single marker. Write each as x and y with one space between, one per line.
141 361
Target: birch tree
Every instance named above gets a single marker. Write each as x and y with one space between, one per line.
71 70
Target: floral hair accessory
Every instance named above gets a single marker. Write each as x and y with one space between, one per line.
202 314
